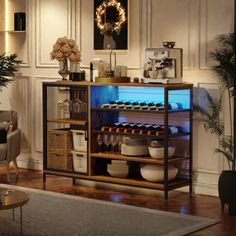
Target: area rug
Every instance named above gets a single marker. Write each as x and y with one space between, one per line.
49 213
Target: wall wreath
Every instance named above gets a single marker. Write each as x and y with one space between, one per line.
111 24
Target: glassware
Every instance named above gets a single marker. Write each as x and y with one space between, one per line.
67 104
106 141
119 140
113 143
99 142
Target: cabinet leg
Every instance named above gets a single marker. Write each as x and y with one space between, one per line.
190 190
44 177
74 181
166 195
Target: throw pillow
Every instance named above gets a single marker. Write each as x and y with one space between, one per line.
3 135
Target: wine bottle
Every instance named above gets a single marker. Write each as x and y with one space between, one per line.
105 105
128 105
160 106
174 129
143 105
136 105
113 104
174 106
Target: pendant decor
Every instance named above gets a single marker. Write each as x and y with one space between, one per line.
65 50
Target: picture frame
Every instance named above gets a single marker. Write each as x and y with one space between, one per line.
111 25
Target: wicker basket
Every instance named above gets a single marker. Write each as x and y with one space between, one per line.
60 139
79 140
80 162
60 161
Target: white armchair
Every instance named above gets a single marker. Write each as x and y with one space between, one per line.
10 150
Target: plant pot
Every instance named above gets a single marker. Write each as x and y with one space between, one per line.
227 190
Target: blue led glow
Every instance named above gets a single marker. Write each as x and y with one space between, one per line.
116 198
154 94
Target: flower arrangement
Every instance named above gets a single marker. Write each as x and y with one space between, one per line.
65 48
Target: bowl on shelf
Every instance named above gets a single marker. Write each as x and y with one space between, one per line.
158 152
155 173
118 170
168 44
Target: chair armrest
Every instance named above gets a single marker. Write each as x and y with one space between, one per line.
13 145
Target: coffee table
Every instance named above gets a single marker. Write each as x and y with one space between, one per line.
11 199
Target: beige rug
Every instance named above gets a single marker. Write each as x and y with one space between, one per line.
49 213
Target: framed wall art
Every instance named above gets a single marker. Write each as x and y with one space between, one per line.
111 21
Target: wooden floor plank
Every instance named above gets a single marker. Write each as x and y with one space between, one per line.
179 202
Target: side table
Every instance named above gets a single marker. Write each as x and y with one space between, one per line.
11 199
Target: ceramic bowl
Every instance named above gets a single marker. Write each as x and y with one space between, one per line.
155 173
118 170
158 152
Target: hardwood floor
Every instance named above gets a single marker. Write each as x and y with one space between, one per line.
179 202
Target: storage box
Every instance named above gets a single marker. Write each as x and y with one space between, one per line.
80 162
60 161
60 139
79 140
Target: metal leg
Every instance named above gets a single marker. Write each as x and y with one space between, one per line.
21 220
166 195
44 177
13 214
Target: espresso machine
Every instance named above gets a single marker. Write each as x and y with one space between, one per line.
163 65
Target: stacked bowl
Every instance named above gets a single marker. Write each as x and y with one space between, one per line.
118 169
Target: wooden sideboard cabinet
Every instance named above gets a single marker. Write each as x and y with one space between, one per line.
87 126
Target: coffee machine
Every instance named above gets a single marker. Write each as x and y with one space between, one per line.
163 65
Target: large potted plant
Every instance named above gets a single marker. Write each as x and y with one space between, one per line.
8 67
225 69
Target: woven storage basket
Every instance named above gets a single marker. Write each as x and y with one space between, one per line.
80 162
60 139
79 140
60 161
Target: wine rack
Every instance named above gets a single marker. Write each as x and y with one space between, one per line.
114 120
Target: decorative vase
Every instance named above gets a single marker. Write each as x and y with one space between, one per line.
227 190
63 69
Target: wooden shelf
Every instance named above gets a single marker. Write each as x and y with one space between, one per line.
176 183
145 159
142 135
12 31
85 83
142 183
143 111
68 121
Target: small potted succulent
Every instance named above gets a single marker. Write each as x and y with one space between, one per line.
212 118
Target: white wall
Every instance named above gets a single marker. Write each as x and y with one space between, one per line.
193 24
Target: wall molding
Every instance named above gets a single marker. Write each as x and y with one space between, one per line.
38 55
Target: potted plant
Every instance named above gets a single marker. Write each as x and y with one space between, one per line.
212 118
8 67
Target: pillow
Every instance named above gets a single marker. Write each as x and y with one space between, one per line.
4 125
3 135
